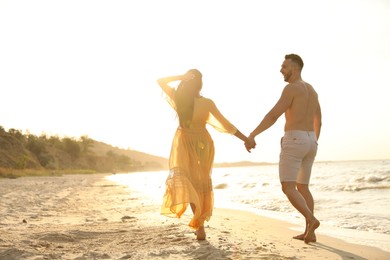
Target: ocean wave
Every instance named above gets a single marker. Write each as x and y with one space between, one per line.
357 188
372 179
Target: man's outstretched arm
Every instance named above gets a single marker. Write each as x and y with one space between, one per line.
281 106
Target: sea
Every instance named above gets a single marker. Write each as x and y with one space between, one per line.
352 198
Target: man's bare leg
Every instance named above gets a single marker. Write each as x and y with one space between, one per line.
306 194
299 202
302 236
311 227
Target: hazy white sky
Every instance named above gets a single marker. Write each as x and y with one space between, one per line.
73 68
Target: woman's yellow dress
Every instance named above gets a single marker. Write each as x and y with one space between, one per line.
190 163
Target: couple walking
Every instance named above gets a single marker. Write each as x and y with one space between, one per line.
192 152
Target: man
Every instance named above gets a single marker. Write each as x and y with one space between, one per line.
299 102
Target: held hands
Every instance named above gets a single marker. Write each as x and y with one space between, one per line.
250 144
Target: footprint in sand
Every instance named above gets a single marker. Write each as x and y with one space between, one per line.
57 237
127 218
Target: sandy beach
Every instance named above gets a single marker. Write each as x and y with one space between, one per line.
90 217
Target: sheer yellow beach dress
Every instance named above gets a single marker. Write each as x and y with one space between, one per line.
190 163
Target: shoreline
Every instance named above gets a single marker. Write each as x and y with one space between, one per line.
346 235
276 231
91 217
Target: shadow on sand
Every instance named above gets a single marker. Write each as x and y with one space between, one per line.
343 254
208 251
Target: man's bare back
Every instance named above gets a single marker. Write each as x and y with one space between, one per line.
301 113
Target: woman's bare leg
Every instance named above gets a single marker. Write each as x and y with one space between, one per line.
200 232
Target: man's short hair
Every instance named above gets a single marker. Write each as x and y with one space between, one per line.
295 58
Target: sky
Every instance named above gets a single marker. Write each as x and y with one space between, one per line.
73 68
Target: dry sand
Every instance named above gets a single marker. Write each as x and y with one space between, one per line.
90 217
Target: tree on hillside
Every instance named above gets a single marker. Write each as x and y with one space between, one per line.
72 147
86 144
37 145
17 134
122 161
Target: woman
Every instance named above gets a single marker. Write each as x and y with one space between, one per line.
192 151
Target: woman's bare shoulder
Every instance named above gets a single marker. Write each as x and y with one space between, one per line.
206 101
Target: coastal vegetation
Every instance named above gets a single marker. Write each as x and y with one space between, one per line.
23 154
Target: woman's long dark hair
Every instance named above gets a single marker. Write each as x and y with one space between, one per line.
184 98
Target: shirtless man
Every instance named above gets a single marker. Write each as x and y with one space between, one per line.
299 102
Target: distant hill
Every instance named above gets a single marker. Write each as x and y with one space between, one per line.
30 152
141 158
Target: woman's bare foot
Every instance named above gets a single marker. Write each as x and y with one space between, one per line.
311 227
302 237
200 233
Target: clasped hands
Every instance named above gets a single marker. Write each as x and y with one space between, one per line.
250 143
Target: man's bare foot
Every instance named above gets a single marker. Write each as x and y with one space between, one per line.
200 233
311 227
302 237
